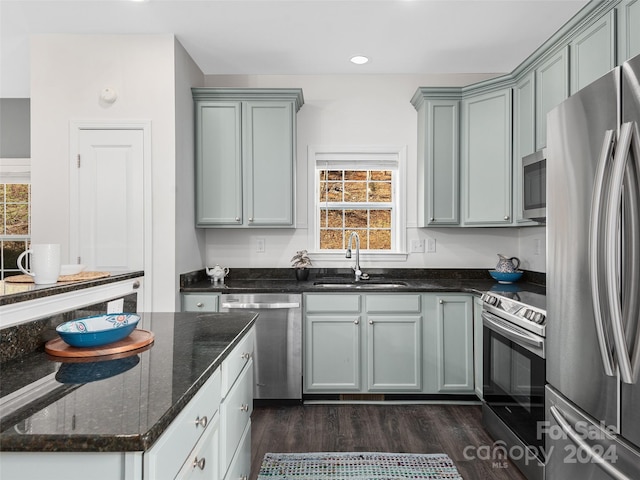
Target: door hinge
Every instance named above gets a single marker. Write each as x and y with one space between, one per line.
78 160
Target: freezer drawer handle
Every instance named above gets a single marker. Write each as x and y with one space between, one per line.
580 442
254 306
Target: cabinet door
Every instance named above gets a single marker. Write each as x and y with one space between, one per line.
269 152
394 353
332 353
486 160
438 163
200 302
552 87
628 31
218 163
592 52
524 128
455 344
477 345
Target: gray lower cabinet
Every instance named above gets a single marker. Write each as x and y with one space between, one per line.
477 345
200 302
486 158
388 343
245 156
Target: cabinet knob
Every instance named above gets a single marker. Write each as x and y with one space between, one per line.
199 463
244 477
370 322
356 321
237 219
245 356
506 217
136 284
199 304
441 302
251 219
202 422
244 407
432 219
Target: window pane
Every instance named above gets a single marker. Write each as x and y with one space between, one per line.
380 239
380 192
381 175
355 191
361 175
335 218
331 239
17 219
355 219
10 253
334 174
17 193
380 219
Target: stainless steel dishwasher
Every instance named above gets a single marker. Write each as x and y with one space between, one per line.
278 349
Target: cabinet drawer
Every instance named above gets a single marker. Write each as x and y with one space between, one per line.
332 303
235 413
235 362
203 461
241 465
196 302
167 455
398 303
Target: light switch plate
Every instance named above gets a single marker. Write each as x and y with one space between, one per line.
417 246
115 306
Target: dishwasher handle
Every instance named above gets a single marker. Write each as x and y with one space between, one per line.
260 306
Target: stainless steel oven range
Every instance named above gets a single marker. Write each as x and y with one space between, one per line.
514 376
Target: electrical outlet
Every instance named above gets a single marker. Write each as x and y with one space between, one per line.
536 246
431 245
417 246
115 306
260 245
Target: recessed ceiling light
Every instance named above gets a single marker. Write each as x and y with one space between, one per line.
359 59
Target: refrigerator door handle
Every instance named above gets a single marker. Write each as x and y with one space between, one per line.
623 153
579 441
595 252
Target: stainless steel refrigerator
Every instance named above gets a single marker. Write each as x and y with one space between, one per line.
592 420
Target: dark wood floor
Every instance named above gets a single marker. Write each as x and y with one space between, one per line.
452 429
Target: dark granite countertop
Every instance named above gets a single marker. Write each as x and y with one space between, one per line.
115 405
21 292
474 281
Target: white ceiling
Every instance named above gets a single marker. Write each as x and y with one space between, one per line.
300 37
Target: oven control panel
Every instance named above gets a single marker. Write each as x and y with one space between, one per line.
516 311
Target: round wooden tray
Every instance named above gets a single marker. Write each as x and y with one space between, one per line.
138 339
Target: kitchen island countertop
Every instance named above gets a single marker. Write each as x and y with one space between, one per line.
76 407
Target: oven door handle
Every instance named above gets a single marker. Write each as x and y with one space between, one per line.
503 328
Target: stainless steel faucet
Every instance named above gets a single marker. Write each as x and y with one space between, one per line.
356 267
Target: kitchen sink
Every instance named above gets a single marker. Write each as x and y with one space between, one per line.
373 284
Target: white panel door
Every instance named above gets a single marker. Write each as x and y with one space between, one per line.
110 218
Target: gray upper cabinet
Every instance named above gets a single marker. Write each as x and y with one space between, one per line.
438 158
592 52
628 32
552 87
486 158
245 156
524 143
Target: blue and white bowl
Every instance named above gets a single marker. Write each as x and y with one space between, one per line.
506 277
98 330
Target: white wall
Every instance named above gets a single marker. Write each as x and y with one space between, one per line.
363 110
67 74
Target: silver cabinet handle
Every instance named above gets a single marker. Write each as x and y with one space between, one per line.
432 219
199 463
579 441
244 407
245 356
441 302
237 219
199 304
201 421
506 217
370 322
136 284
251 219
356 321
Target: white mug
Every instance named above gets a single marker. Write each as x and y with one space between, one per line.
45 262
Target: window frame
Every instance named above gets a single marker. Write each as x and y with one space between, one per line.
15 170
358 157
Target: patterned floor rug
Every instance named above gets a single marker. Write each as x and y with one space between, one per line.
357 466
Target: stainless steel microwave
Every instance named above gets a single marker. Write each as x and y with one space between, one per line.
534 186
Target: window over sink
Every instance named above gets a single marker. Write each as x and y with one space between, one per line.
358 189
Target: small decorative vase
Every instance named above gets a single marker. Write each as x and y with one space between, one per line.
302 274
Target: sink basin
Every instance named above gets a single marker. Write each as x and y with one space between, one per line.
361 284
